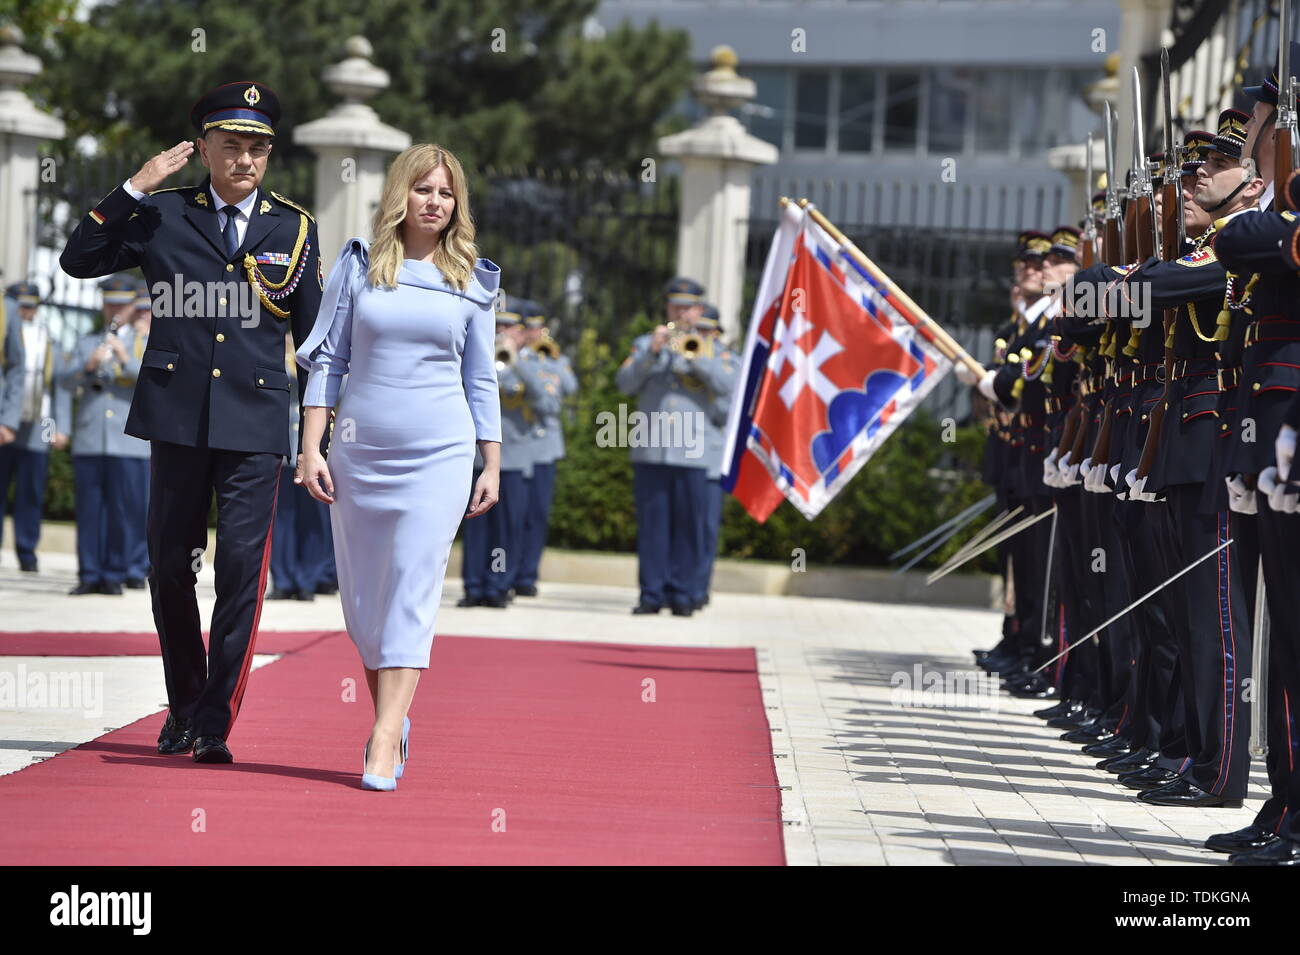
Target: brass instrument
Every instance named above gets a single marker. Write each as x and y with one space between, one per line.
689 344
97 382
507 353
547 346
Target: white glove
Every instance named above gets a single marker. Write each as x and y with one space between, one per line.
1096 481
1051 476
1069 472
1137 488
965 374
985 386
1281 497
1284 448
1240 499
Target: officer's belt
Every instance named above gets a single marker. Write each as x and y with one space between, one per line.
1272 328
1194 368
1228 377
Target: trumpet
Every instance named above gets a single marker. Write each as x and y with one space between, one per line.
507 352
547 346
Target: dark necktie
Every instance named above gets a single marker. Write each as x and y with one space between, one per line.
230 234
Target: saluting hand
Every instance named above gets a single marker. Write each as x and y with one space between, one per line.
153 173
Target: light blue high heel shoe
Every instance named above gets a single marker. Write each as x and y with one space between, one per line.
372 781
406 735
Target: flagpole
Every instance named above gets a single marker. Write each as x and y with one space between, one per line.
926 325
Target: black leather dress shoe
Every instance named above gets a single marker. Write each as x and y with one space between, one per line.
1134 762
1037 687
304 595
1115 746
468 601
1182 792
1059 709
500 603
81 589
135 583
211 749
526 591
1073 720
683 610
175 736
27 566
113 590
327 590
1153 777
647 608
1087 733
1277 852
278 594
1249 839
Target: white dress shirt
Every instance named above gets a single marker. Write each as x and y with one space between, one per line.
241 217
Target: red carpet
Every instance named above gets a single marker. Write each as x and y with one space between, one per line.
549 739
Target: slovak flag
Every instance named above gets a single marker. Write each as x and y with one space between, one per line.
831 367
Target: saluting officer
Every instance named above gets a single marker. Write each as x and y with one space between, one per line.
109 465
669 467
559 381
44 419
720 365
213 394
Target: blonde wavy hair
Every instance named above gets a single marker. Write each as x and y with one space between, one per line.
456 252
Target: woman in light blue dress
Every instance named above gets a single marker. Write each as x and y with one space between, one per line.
409 318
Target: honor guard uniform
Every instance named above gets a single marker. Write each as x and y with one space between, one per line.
719 365
491 560
110 466
213 395
669 459
44 419
301 546
559 382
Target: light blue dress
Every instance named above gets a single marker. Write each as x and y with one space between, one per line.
422 387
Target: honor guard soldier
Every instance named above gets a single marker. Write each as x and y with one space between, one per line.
213 395
493 557
720 365
670 466
559 381
110 466
44 418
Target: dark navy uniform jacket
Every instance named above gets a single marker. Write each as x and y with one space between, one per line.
213 374
1269 351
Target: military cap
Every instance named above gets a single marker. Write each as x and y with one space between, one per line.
511 311
24 293
1196 144
243 107
533 314
708 320
118 289
1266 92
1232 133
143 303
1033 245
1065 242
684 291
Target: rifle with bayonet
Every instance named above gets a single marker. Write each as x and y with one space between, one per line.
1173 235
1287 142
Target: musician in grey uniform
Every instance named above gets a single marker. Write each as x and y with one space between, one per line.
109 466
720 365
674 392
137 502
44 418
548 448
493 551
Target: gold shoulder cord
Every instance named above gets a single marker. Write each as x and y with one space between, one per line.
264 286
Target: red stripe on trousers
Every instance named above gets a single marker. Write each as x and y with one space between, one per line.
237 696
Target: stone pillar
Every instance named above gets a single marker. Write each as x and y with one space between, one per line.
717 157
352 147
23 128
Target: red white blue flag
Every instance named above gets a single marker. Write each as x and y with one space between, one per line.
831 367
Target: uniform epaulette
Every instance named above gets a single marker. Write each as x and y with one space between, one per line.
293 205
1288 215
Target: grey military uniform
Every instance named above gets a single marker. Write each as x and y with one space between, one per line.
678 393
525 404
103 398
560 382
43 395
723 375
12 368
